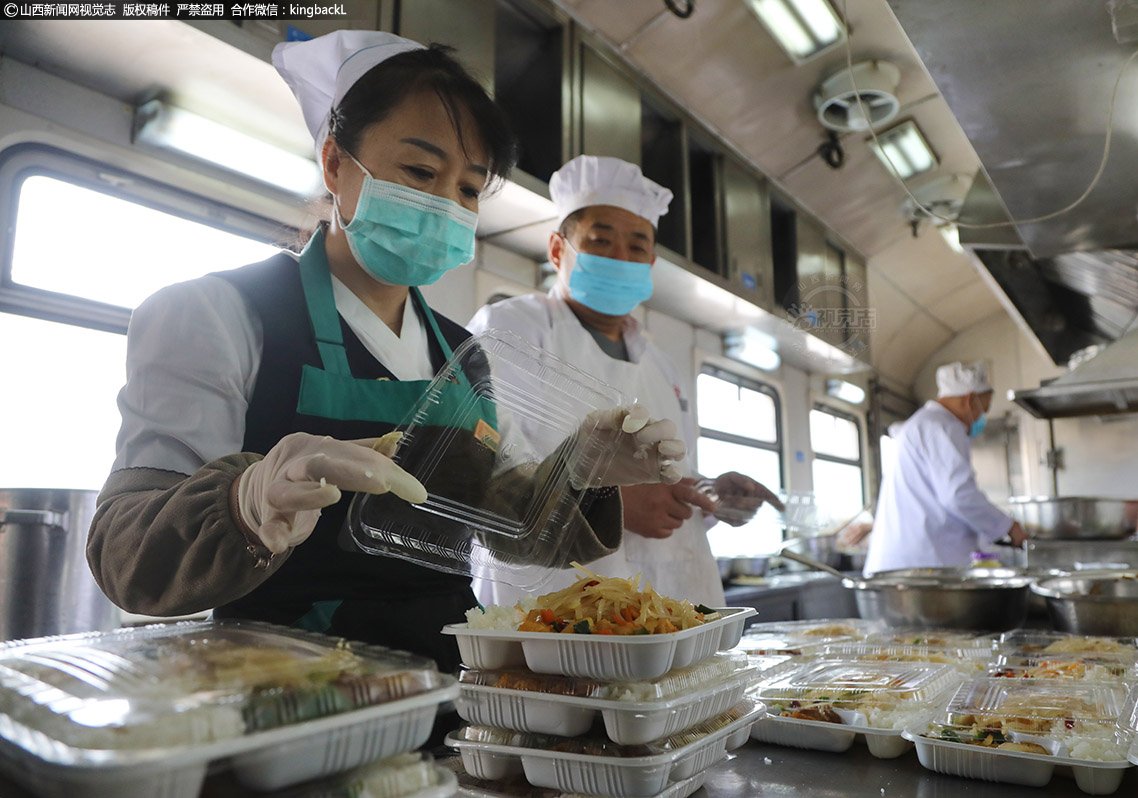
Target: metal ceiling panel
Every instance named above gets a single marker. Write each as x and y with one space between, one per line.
1030 84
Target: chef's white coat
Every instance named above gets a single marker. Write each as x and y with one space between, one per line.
681 566
199 346
931 513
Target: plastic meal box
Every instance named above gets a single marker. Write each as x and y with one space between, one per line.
800 637
632 713
911 687
598 766
969 661
1025 647
496 411
410 775
945 638
1063 666
1062 717
142 712
627 658
518 787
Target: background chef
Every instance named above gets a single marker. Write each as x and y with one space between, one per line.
930 512
603 250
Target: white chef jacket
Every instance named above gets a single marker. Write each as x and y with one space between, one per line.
199 347
681 566
931 513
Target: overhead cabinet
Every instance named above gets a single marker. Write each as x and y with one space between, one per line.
610 108
746 223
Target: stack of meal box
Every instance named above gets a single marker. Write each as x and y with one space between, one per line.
1006 708
593 714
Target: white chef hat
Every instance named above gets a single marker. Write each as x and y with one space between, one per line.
957 379
320 71
597 180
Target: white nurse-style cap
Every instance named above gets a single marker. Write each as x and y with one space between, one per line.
320 71
957 379
597 180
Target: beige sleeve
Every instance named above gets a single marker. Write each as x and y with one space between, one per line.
163 543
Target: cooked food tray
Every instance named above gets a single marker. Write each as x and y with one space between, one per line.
1025 647
606 657
997 729
518 787
596 766
825 704
632 713
144 711
969 661
801 637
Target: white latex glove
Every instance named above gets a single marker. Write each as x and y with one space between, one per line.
647 450
281 496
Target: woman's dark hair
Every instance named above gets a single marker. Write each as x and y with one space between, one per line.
434 68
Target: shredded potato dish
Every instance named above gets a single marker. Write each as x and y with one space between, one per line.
612 606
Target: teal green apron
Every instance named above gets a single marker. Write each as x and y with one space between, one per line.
330 391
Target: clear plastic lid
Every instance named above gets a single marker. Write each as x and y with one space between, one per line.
710 673
936 638
597 744
800 637
1023 645
401 776
1063 666
993 711
177 685
854 685
502 439
969 658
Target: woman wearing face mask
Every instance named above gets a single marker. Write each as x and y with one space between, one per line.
253 397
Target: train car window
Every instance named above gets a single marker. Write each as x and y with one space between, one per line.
87 244
739 431
838 480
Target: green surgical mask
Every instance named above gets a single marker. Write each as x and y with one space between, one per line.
402 236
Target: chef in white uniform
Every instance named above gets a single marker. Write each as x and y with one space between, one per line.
603 250
931 513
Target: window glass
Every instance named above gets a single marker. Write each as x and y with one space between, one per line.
834 436
837 490
58 418
73 240
723 405
762 535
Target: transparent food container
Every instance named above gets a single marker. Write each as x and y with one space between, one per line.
502 439
518 787
605 657
143 711
631 712
1065 666
953 638
969 661
998 729
824 704
410 775
800 637
597 766
1026 647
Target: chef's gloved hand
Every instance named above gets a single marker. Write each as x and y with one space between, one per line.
646 451
738 498
280 497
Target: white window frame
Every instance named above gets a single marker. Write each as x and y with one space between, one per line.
23 161
742 440
860 461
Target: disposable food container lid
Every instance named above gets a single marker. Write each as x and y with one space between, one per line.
855 683
504 443
799 637
1063 666
696 679
1040 706
597 744
949 655
408 775
931 637
1026 643
156 688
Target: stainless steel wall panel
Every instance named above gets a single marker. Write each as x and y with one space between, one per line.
466 25
746 220
610 109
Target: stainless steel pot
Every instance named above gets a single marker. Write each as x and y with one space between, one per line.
822 548
1075 517
1093 603
46 587
750 566
981 599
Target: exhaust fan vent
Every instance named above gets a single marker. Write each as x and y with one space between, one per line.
837 101
943 195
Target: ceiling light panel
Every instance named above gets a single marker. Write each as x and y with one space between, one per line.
906 149
803 28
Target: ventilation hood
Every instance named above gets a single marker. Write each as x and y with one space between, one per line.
1106 384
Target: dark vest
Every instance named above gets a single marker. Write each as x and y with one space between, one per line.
385 600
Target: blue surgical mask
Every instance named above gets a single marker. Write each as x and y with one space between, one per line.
607 285
403 236
978 425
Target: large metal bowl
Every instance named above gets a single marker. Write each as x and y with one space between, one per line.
1093 602
980 599
1075 517
749 566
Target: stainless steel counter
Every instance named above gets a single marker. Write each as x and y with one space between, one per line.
799 595
770 770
